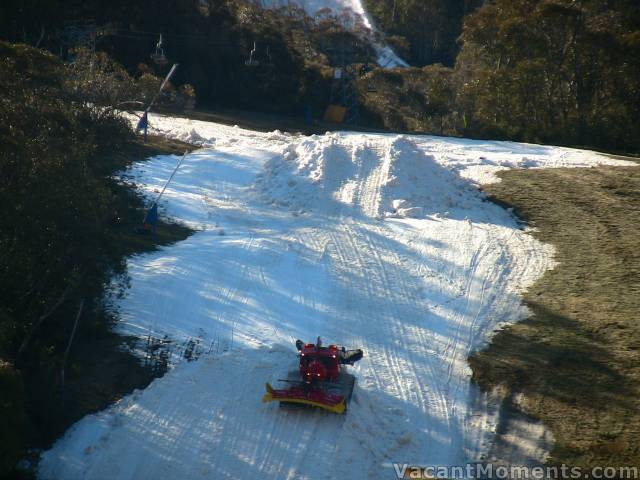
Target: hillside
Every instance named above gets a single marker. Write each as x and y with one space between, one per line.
458 225
373 241
67 226
576 82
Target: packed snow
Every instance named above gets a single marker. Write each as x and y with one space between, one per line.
387 58
372 241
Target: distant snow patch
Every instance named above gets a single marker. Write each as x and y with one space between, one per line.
387 58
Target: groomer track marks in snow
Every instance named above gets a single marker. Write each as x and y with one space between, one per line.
314 246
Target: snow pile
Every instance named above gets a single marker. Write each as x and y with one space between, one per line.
194 138
417 294
416 184
325 174
308 175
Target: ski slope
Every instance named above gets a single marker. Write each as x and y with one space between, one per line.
313 6
387 58
372 241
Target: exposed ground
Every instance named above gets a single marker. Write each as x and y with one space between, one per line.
577 359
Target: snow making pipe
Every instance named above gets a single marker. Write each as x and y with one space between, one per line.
164 83
171 177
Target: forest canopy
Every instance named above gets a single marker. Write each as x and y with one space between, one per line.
558 71
548 71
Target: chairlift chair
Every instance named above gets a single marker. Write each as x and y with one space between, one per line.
252 62
158 56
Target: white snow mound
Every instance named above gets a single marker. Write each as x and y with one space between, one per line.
331 174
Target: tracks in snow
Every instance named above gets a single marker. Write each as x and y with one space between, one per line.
417 295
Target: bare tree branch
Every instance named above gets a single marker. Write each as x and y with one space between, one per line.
43 317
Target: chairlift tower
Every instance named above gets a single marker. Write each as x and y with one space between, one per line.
344 89
77 36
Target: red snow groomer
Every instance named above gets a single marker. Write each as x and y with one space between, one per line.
321 380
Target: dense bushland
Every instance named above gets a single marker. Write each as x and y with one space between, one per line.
548 71
558 71
211 40
65 231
